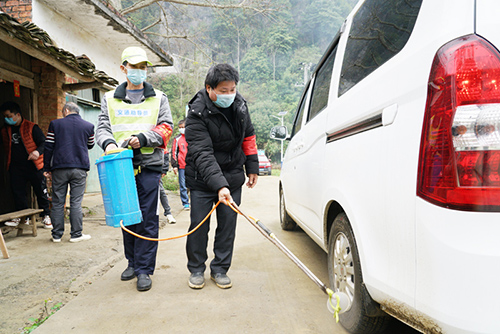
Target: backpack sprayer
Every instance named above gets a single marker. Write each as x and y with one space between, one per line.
121 205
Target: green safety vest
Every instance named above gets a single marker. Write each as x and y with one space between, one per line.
129 119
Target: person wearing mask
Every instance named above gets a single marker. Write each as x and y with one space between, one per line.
66 162
221 141
179 151
23 144
138 115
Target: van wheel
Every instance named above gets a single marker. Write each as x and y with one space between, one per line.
344 271
286 222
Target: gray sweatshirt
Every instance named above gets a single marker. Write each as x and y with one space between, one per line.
104 134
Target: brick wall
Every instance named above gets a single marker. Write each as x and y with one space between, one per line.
18 9
51 97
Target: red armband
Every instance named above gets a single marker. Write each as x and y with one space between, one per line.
165 131
249 145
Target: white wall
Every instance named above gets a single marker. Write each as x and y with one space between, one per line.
77 40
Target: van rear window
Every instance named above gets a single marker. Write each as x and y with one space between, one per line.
380 29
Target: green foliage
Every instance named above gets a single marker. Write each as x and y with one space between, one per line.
171 181
44 315
255 66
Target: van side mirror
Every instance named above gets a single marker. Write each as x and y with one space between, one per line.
279 133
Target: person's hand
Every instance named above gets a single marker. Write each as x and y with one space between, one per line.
175 170
34 155
110 147
163 175
134 142
48 175
225 196
252 180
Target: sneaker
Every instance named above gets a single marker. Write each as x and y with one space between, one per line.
47 223
221 280
55 239
83 237
171 219
15 222
196 280
186 207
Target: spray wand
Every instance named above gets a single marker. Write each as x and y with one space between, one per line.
342 304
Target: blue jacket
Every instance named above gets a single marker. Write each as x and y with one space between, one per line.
67 143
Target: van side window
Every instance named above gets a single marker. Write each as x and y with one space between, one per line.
380 29
321 88
300 111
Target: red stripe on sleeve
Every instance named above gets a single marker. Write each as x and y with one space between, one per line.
249 145
165 131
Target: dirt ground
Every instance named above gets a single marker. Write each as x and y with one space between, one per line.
40 274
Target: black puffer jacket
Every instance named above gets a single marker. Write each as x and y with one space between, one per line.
218 150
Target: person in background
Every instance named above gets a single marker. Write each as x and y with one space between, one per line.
66 162
163 194
221 141
136 114
23 144
179 151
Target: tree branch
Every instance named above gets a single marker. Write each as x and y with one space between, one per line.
146 3
151 25
167 36
187 38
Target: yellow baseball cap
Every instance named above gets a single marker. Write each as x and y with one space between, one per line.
135 55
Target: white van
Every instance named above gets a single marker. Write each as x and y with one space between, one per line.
393 164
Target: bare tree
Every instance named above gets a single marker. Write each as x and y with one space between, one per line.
166 32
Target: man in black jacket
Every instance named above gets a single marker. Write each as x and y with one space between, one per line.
66 161
221 142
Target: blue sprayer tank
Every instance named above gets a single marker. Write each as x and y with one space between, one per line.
118 188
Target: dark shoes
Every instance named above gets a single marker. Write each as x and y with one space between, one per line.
143 282
196 280
221 280
128 274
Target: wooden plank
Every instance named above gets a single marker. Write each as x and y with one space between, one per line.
19 214
16 69
5 252
10 76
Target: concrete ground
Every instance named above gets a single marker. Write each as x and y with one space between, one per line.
269 295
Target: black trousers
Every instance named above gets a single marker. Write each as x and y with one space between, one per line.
196 246
140 253
19 177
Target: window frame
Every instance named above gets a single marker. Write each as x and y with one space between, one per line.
332 50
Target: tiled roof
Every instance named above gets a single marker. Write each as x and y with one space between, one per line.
32 35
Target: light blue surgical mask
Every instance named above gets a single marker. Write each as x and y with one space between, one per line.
224 100
136 76
9 121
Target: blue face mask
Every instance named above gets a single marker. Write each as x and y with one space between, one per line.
224 100
10 121
136 76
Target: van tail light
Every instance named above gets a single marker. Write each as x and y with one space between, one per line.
459 163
